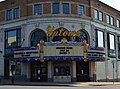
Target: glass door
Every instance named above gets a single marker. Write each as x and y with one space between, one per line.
82 71
39 72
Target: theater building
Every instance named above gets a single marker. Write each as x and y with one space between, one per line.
59 40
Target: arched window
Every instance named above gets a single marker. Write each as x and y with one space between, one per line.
36 36
83 36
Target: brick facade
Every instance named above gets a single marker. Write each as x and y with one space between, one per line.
26 8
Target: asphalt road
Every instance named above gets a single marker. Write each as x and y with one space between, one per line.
59 87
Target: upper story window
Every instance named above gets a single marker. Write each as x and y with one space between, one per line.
110 20
81 10
111 41
98 15
15 13
56 8
37 9
100 38
12 14
66 9
13 38
118 23
9 14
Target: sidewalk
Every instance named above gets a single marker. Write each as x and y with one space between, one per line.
74 84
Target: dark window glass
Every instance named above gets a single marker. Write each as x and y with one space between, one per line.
83 36
81 10
66 8
36 36
16 13
12 38
56 8
37 9
9 14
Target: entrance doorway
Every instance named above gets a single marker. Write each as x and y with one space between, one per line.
39 71
82 71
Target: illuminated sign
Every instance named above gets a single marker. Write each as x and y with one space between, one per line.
51 32
26 53
63 50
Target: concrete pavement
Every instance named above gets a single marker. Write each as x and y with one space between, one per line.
28 83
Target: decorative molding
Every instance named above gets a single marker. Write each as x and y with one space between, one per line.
61 24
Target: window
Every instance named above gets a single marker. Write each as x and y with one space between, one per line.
13 38
100 38
56 8
83 36
112 41
37 9
16 13
81 10
9 14
98 15
61 70
66 8
110 20
118 23
36 36
111 45
12 14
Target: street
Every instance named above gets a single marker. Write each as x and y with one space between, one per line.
59 87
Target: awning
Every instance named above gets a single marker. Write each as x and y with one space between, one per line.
52 58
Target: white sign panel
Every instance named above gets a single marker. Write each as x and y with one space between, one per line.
63 50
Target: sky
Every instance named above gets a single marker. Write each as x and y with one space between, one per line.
113 3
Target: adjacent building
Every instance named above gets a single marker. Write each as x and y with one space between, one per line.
61 27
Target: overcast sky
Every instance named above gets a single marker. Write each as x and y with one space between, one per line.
112 3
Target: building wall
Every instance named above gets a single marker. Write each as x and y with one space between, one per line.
72 21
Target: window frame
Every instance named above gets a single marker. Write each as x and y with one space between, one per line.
68 8
96 14
97 38
38 13
118 23
17 38
58 12
16 16
100 16
83 10
7 16
111 19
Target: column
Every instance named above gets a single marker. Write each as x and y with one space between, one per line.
117 65
106 53
50 71
74 71
28 70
